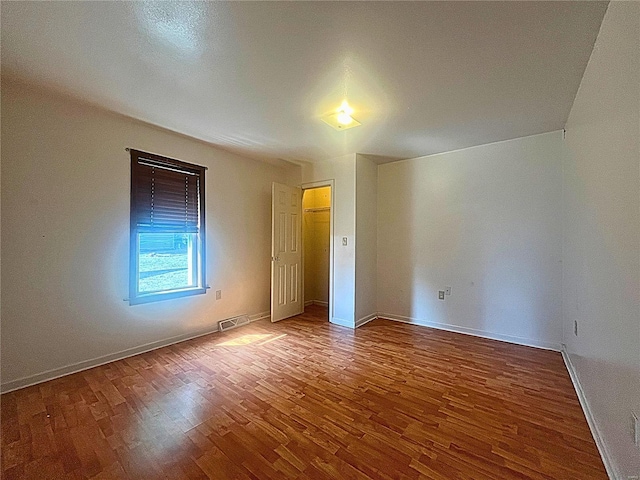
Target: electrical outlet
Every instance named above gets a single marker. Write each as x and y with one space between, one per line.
575 327
344 241
440 294
447 290
218 294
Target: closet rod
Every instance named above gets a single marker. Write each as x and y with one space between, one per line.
318 209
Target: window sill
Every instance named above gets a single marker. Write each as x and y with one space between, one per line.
160 296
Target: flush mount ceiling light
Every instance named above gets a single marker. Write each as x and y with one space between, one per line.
341 119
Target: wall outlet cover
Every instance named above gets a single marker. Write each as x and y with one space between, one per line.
218 294
344 241
447 290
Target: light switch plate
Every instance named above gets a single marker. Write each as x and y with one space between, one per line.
447 290
440 294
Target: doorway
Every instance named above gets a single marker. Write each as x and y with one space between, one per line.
317 237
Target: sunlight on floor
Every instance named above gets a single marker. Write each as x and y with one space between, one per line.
250 339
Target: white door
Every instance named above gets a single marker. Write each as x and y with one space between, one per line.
286 252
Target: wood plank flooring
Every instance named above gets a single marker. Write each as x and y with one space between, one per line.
304 399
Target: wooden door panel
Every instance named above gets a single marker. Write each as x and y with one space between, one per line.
286 252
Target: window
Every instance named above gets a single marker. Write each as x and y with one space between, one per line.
167 249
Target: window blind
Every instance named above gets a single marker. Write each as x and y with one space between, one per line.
165 194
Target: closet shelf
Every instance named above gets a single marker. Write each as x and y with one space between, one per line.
318 209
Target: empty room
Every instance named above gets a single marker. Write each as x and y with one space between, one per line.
320 240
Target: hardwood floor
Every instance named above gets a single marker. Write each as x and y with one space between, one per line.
306 399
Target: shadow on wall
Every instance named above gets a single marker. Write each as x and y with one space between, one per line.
316 236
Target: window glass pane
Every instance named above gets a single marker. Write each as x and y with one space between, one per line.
167 261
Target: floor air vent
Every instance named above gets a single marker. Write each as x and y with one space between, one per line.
234 322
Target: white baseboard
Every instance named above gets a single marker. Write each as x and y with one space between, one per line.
472 331
112 357
593 426
342 322
259 316
361 321
316 302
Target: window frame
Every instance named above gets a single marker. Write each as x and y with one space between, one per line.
136 298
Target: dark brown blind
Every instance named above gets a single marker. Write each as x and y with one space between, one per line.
165 194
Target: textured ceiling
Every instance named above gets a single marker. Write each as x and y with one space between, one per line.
255 78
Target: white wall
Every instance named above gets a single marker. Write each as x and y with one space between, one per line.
485 221
366 238
65 200
601 270
316 234
343 171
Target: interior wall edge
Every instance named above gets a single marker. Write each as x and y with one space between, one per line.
58 372
591 421
342 322
69 96
472 147
366 319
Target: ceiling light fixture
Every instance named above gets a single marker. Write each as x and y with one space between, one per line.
342 119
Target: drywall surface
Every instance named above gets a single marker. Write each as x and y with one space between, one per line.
65 201
485 221
366 238
343 171
316 234
601 186
0 248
